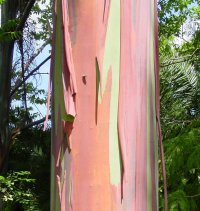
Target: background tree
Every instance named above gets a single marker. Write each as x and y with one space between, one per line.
19 95
15 85
179 53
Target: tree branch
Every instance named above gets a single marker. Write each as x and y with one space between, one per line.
37 122
40 73
21 48
180 60
36 54
13 136
197 195
176 121
177 62
28 76
25 15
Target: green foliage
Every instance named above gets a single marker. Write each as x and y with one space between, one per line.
7 31
180 103
178 201
31 152
34 95
182 155
173 13
2 1
45 20
178 88
16 190
166 46
26 187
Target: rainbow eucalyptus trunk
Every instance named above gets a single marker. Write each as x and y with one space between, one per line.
105 106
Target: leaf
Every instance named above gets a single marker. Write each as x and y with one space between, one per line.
68 118
2 1
7 31
178 201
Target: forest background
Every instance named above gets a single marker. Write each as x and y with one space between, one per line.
25 43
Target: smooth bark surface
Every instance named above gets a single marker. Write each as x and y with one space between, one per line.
105 124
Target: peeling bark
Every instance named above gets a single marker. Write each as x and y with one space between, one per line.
105 81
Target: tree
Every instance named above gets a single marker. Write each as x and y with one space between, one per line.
16 37
16 32
179 58
180 127
105 106
179 49
8 13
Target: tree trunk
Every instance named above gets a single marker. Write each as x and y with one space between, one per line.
105 124
8 12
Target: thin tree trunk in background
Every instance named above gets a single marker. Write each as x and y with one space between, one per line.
105 124
8 12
